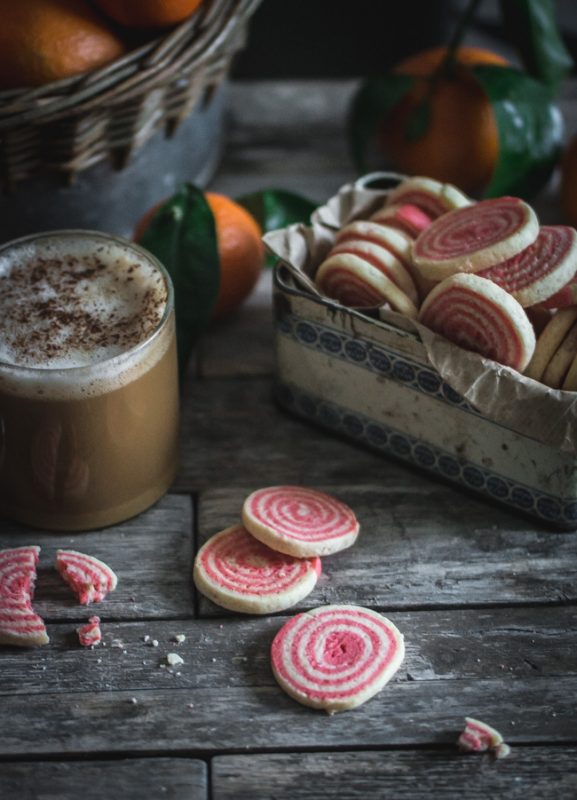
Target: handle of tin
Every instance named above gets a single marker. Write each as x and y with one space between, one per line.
381 180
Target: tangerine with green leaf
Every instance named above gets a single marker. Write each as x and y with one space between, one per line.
444 127
240 250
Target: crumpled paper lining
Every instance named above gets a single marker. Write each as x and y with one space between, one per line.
494 390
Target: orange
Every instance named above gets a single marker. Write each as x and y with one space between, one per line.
461 143
46 40
148 13
569 182
240 250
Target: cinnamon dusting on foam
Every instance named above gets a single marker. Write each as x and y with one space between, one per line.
72 304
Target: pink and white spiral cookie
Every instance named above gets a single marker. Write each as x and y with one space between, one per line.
90 634
431 196
299 521
336 657
475 238
399 244
19 623
385 248
238 572
90 578
566 296
356 283
405 217
478 315
540 270
478 737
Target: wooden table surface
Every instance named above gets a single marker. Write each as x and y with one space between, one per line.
486 600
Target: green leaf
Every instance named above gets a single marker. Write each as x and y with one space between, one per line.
530 129
419 121
532 28
277 208
373 101
182 235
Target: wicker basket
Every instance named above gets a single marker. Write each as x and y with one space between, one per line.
68 126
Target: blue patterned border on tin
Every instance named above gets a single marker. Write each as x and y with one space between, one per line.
375 358
391 441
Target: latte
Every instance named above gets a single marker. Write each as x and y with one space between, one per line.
88 380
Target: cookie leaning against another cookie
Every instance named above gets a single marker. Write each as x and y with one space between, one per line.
237 572
478 315
336 657
355 282
475 238
539 270
299 521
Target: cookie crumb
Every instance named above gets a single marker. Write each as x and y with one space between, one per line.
478 737
174 659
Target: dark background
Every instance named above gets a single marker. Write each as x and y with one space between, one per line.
352 38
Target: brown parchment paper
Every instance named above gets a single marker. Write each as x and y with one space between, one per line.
496 391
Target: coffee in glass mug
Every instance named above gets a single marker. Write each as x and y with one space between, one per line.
88 380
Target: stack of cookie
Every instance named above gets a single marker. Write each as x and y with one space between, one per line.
272 560
485 275
332 658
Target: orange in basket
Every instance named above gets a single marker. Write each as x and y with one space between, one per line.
148 13
46 40
461 142
240 250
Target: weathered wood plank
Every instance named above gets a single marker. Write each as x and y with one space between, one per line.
440 645
289 135
132 779
513 667
424 544
243 718
151 554
542 773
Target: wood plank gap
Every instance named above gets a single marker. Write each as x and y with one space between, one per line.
202 755
209 780
222 613
113 755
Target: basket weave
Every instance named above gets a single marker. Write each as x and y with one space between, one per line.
70 125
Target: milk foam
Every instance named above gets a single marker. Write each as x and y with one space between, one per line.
77 301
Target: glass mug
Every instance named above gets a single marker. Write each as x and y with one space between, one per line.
86 446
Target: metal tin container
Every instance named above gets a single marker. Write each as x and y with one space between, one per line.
374 383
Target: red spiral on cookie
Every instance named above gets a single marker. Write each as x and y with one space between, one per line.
475 237
19 623
86 575
299 521
480 316
541 269
241 573
18 570
336 657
